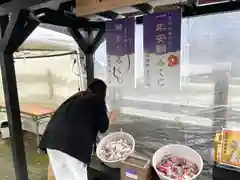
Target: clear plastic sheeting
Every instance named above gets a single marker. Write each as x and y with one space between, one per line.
207 102
152 134
46 81
154 122
42 76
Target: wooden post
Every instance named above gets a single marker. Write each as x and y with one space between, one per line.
13 32
88 43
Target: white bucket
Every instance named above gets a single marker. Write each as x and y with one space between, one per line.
177 150
114 137
4 129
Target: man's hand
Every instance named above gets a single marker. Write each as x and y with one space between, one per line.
113 115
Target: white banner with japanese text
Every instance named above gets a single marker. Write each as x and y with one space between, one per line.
120 36
162 44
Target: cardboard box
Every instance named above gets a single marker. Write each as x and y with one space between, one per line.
136 167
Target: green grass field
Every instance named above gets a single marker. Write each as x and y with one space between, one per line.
37 164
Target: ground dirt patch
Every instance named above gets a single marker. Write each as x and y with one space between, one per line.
37 163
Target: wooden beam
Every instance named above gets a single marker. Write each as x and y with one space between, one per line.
16 24
89 7
109 14
15 5
144 8
59 18
165 8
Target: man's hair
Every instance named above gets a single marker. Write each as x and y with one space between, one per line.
98 86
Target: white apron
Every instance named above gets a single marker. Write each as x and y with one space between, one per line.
66 167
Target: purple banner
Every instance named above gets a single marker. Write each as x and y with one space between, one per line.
162 32
120 37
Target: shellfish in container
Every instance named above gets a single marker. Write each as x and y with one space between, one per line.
114 148
177 162
177 168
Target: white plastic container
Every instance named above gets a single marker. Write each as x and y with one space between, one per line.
178 150
4 129
114 137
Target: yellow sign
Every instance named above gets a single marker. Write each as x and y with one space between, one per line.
216 155
230 151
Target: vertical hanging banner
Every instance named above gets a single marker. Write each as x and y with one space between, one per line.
162 44
120 37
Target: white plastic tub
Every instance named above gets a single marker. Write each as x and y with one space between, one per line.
113 137
177 150
4 129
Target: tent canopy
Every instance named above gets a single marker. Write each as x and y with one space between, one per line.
43 39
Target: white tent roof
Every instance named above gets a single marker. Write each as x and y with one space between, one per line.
43 39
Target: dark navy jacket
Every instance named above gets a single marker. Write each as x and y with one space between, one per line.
74 126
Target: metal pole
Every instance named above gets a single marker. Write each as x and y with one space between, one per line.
80 65
13 112
88 43
89 58
220 98
220 109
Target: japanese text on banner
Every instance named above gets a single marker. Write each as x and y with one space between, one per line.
162 50
120 50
